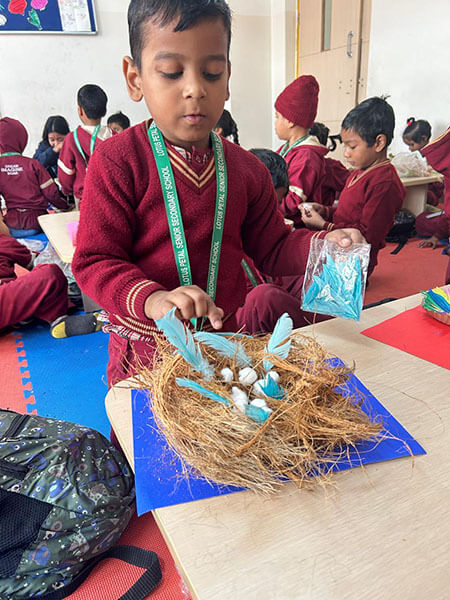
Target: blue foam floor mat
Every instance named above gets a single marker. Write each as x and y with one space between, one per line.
67 376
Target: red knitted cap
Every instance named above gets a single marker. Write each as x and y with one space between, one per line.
298 101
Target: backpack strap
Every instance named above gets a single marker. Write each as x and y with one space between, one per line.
145 559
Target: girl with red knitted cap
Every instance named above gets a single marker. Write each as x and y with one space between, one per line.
296 109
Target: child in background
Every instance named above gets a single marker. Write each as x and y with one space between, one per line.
40 294
226 126
296 109
335 172
437 154
417 135
277 168
373 193
143 250
80 144
268 298
55 130
25 184
118 122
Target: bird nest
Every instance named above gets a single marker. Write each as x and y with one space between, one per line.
307 432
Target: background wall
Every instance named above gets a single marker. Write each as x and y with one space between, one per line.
409 59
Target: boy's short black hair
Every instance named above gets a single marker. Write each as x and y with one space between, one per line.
55 124
163 12
92 100
228 126
120 119
370 118
276 164
415 130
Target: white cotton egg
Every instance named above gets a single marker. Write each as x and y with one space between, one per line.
238 395
259 403
274 375
257 387
227 375
3 20
247 376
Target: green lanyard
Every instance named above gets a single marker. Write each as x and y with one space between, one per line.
93 140
10 154
249 273
173 210
286 148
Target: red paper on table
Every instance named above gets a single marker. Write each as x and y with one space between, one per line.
415 332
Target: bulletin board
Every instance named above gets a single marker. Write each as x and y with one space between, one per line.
47 16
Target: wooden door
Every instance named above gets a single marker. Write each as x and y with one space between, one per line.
333 46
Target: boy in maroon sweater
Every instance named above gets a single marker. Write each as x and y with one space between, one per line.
373 193
80 144
296 109
25 184
169 208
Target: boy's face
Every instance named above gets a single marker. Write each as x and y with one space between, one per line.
183 79
115 128
357 151
282 127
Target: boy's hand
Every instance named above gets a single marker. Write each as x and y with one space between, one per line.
346 237
311 218
430 242
190 300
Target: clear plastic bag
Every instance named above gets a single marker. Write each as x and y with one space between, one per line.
410 164
49 257
335 279
35 246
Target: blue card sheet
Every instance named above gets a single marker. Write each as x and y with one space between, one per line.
158 470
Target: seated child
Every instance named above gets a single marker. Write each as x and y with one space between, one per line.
25 184
118 122
164 222
416 136
335 172
296 109
437 154
373 193
80 143
47 153
227 127
268 298
40 294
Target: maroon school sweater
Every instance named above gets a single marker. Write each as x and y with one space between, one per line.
25 184
369 202
11 253
124 252
71 164
306 169
437 154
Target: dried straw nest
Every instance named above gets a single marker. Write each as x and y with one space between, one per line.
304 436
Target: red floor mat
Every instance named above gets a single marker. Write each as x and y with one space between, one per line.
15 391
112 578
411 270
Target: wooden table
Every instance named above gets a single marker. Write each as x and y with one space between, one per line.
381 533
55 228
416 193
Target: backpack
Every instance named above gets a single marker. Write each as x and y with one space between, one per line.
402 229
66 495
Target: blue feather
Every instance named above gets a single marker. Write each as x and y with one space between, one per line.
192 385
271 388
279 342
257 414
225 347
180 337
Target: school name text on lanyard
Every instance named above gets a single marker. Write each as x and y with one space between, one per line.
173 210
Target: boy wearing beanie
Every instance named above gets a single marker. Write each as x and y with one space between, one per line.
296 109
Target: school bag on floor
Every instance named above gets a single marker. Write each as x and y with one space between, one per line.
66 495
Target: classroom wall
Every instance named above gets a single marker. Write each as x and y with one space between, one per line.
41 73
409 59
